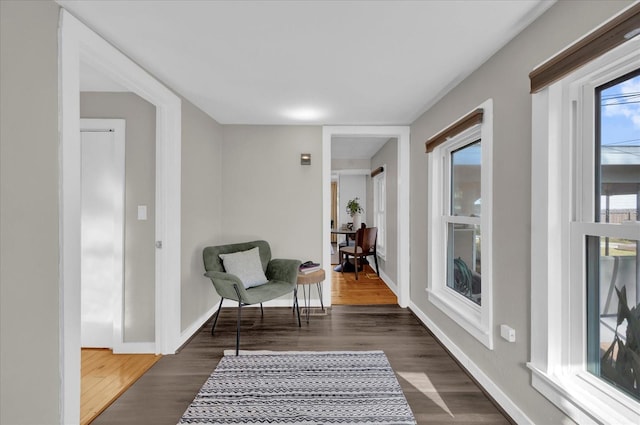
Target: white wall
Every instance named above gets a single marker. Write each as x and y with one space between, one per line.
29 244
350 187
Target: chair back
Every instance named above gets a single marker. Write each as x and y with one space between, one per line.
366 239
211 254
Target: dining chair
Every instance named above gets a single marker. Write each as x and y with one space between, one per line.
365 246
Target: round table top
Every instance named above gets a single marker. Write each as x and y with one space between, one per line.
309 278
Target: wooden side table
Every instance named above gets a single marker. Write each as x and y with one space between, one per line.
316 277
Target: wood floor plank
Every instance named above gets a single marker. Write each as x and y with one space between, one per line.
105 376
437 389
369 289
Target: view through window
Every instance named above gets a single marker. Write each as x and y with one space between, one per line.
463 247
613 263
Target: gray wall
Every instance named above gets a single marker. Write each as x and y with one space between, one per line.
201 208
267 194
139 236
504 78
29 250
388 156
350 164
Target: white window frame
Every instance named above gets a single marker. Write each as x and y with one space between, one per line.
475 319
562 215
379 183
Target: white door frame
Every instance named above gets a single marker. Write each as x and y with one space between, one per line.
77 42
402 133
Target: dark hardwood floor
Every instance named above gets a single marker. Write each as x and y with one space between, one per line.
437 389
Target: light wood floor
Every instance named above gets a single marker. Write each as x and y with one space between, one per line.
105 376
369 289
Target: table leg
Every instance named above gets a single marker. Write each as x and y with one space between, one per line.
307 300
319 286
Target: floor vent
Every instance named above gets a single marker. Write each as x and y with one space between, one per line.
314 311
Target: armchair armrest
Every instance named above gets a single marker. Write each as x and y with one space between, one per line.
225 283
283 270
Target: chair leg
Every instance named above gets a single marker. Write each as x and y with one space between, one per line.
239 316
295 301
355 260
217 314
261 310
375 257
238 328
295 295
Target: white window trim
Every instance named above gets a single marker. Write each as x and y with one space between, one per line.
380 223
475 319
562 195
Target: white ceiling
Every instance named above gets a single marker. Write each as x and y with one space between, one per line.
356 147
309 62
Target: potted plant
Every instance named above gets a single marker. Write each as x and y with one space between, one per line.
621 361
354 209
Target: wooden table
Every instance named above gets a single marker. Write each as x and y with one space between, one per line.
305 279
345 232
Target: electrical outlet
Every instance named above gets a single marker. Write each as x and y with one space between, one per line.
508 333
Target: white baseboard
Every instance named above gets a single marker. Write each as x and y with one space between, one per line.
196 325
390 283
489 386
135 348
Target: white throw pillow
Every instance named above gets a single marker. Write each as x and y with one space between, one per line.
246 265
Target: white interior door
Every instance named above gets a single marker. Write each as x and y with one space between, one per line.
102 227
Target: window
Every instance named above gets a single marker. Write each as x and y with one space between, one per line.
612 278
463 221
585 232
379 210
460 202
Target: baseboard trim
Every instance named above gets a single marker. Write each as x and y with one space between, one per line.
390 283
135 348
514 413
190 332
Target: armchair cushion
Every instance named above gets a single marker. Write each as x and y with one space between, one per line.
246 265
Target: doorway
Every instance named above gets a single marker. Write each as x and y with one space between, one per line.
78 42
401 133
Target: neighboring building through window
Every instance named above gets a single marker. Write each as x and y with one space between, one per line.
460 200
612 275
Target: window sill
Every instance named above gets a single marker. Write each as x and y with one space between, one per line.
462 311
584 398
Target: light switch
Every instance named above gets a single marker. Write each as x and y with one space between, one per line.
142 212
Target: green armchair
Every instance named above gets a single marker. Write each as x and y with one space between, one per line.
281 274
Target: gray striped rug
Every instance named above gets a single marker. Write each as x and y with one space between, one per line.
331 387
